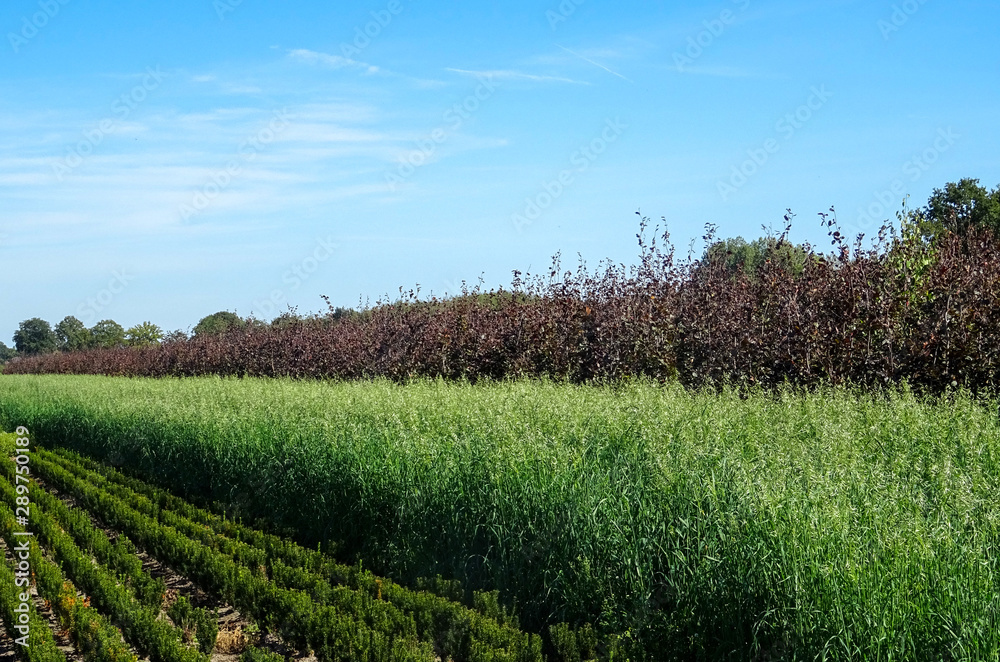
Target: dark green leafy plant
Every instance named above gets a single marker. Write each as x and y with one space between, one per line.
199 622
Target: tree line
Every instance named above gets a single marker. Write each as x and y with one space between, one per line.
36 336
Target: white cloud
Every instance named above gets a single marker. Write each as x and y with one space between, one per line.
330 61
510 74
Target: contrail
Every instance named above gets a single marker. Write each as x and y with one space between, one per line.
596 64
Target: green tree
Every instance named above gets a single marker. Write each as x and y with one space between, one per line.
288 318
108 333
144 335
218 323
959 206
749 258
35 336
72 334
175 336
6 353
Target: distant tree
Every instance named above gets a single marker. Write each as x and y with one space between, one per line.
144 335
177 335
72 334
340 312
218 323
288 318
35 336
6 353
959 206
108 333
742 257
335 313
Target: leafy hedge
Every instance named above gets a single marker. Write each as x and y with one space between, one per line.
908 308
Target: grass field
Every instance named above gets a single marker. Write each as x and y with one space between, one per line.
691 525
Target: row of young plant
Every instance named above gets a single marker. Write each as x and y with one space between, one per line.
336 622
38 645
332 635
94 637
111 583
126 594
911 308
695 525
455 629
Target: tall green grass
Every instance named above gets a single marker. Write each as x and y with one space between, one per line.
692 525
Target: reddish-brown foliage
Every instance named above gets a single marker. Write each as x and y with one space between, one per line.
916 311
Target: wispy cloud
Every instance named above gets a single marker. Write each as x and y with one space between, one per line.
509 74
330 61
596 64
328 143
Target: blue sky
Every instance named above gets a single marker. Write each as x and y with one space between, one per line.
163 161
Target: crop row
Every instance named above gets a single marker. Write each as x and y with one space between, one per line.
691 525
95 637
111 583
26 628
453 628
121 589
337 622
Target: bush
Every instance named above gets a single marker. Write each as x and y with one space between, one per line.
907 309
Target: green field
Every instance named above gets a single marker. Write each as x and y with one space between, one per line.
836 524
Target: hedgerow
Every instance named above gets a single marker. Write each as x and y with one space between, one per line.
909 308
